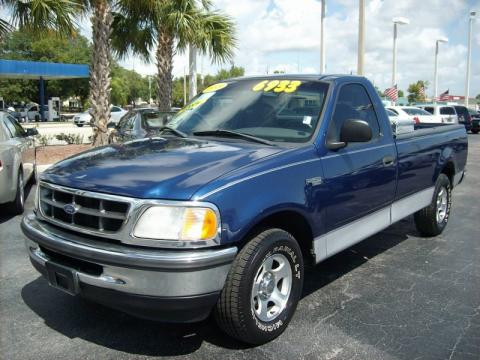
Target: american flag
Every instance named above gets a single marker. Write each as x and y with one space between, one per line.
444 96
392 93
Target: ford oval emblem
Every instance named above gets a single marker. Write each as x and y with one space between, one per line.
70 209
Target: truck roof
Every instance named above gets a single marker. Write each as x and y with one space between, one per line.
312 77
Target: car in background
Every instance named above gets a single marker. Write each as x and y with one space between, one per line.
17 162
116 113
464 116
400 124
17 115
446 112
140 123
475 121
32 113
416 114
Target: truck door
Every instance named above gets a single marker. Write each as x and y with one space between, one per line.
361 177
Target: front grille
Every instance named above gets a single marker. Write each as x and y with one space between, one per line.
88 212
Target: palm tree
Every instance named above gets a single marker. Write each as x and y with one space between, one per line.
100 69
171 26
59 16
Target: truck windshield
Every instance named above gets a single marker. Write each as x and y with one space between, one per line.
275 110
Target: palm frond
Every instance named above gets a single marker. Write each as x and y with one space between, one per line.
132 36
46 15
215 35
5 28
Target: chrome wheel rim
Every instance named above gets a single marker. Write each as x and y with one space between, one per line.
442 205
271 287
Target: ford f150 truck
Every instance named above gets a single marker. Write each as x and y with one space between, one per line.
254 178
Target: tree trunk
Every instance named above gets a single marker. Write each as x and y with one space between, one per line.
164 68
100 71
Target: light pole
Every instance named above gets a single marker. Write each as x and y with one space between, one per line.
396 21
469 55
192 65
361 37
435 75
322 38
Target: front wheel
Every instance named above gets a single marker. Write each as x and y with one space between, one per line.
262 288
79 125
431 221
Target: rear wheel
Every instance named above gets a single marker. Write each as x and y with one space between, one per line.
262 289
79 125
474 131
431 221
17 206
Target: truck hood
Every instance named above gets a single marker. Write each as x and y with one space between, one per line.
155 168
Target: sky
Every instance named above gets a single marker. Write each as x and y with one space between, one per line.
285 35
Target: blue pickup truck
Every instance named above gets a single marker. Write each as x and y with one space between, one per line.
254 178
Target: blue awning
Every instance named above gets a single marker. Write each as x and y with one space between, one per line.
14 69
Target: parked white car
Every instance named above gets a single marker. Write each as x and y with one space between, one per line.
116 113
446 112
32 112
416 114
400 124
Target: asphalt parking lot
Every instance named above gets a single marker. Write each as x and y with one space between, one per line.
393 296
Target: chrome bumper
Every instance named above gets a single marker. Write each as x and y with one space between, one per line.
152 272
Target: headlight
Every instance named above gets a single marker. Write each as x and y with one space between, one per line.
177 223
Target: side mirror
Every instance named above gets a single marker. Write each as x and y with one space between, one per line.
31 132
353 130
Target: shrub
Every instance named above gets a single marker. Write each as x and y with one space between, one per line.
70 138
43 139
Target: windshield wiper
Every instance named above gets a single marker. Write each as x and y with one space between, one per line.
222 132
175 131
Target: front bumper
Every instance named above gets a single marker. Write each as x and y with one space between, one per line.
166 285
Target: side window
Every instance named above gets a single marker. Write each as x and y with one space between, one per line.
115 109
353 102
447 110
394 111
429 109
127 122
14 127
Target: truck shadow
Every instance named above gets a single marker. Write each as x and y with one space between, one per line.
75 317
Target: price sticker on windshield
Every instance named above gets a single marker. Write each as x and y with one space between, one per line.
215 87
278 86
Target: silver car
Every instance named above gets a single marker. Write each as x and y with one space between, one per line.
17 162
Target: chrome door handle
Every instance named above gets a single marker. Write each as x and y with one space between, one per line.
388 160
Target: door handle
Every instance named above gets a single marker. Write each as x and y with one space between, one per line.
388 160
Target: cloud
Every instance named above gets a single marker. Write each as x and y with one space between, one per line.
285 35
271 32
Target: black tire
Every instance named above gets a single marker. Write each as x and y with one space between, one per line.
426 220
474 131
79 125
18 205
235 312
